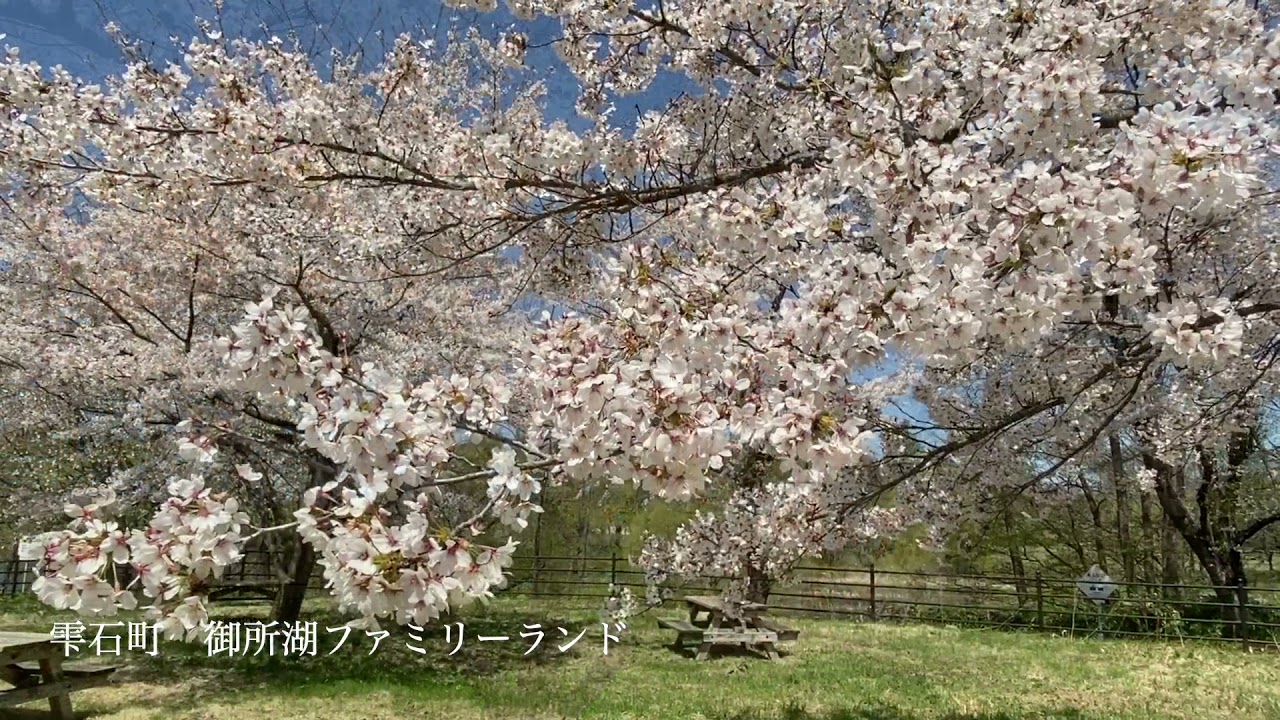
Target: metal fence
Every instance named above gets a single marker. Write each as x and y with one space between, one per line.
16 576
255 568
1247 616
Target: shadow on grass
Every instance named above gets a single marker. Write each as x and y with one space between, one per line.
885 712
690 652
30 714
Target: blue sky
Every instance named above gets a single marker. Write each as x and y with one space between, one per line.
71 33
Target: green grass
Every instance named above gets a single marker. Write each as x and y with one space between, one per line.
838 670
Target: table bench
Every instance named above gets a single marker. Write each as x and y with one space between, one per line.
32 664
709 625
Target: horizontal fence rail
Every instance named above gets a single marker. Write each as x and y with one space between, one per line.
1249 616
255 569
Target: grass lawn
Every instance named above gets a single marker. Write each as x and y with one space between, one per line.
839 670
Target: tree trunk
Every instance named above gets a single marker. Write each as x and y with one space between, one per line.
1015 560
1099 542
288 603
1213 536
1148 549
1171 573
1220 562
1238 580
752 474
289 598
537 551
1170 557
758 585
1226 573
1122 509
579 563
1074 540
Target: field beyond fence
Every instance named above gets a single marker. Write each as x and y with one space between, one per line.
1054 605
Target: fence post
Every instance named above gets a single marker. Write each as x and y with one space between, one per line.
1039 601
872 586
20 572
1242 604
15 565
537 549
613 568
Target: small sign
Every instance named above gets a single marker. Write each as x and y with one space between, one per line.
1096 585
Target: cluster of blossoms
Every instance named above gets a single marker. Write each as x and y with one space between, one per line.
675 379
512 490
387 439
379 563
1179 328
759 536
191 540
621 605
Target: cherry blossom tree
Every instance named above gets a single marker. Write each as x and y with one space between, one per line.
1189 402
1049 218
116 307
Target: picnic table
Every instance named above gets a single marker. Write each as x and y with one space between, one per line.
32 664
711 624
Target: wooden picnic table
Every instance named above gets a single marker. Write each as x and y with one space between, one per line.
32 664
711 624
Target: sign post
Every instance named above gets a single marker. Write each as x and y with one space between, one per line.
1096 585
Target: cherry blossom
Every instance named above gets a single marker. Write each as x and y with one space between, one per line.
1046 222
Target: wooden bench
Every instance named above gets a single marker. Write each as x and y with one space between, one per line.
682 627
785 634
717 636
709 625
32 664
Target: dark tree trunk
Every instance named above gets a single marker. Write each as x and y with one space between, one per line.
293 591
1015 560
758 585
1099 541
1148 550
752 474
1171 563
1074 540
1170 550
289 598
1123 535
1239 581
1212 535
537 552
1227 575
